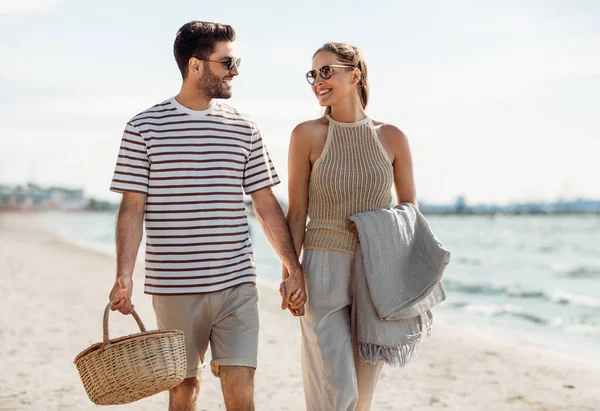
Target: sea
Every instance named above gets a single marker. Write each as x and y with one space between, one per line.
529 279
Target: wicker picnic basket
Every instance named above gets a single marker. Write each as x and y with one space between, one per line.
127 369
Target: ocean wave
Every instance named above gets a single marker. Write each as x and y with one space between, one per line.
547 249
498 310
575 271
469 261
556 296
583 272
582 326
564 297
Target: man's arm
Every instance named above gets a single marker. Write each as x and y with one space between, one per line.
130 226
273 222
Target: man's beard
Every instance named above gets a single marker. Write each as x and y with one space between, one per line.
212 86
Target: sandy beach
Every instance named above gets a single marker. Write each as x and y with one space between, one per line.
52 296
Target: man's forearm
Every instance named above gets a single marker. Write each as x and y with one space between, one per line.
130 226
273 222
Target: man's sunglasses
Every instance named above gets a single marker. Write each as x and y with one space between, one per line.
229 64
325 72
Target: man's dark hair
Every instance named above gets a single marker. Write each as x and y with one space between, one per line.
198 39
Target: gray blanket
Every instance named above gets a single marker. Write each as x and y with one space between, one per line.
403 265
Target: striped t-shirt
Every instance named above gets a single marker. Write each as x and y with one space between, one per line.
195 167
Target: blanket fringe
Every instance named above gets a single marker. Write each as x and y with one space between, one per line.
395 355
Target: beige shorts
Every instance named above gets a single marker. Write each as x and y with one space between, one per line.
228 319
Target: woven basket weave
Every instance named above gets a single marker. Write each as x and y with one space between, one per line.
127 369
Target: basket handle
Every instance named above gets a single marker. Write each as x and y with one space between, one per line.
105 340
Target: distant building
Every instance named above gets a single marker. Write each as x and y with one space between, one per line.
68 199
460 205
32 196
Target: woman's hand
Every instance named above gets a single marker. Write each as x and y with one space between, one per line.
353 229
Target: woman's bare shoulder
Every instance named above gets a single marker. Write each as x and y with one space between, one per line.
389 132
309 129
310 126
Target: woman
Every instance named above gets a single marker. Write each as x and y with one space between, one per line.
340 164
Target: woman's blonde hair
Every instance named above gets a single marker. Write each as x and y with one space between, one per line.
349 54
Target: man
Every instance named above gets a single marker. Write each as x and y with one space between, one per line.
183 168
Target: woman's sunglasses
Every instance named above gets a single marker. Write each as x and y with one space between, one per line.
325 72
229 64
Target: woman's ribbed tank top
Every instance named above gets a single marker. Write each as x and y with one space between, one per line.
354 174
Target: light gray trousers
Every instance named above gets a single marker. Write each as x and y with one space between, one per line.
334 378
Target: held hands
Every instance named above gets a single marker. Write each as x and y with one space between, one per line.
121 292
293 293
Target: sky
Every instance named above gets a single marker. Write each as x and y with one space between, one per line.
499 100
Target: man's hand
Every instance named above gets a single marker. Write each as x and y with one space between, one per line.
121 292
293 293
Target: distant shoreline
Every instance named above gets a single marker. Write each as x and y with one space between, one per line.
425 212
